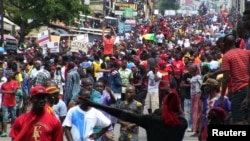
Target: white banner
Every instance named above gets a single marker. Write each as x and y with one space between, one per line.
53 46
43 38
80 43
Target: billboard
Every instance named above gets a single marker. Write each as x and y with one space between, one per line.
119 8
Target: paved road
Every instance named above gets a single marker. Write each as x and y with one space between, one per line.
142 135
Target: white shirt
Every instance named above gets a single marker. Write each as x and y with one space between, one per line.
214 65
83 122
139 40
34 73
159 38
180 42
153 85
60 109
63 69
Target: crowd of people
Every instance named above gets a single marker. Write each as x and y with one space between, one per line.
193 72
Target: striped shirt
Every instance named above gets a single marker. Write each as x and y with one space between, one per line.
236 62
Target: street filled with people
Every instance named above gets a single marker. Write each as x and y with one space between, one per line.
169 75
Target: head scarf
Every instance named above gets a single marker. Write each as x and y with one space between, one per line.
170 108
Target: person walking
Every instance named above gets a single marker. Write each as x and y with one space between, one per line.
72 84
37 124
9 100
235 65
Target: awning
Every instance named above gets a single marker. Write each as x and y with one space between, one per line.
8 25
7 36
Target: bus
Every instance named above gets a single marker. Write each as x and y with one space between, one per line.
10 44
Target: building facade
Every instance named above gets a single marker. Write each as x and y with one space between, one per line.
239 5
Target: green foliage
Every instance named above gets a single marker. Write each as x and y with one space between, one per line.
168 5
42 12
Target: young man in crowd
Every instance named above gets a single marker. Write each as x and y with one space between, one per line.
129 131
37 124
58 106
81 120
9 100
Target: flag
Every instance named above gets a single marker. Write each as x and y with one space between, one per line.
150 37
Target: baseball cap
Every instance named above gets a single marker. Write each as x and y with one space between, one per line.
164 56
107 58
38 90
52 90
162 62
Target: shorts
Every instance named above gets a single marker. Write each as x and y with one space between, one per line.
108 136
6 110
239 114
152 101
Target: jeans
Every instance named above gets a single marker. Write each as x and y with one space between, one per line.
239 114
187 110
6 111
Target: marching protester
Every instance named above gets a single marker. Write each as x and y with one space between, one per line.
81 119
37 124
9 100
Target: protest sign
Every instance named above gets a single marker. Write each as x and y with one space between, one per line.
80 43
43 38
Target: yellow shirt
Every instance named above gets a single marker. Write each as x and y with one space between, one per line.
19 77
97 67
30 69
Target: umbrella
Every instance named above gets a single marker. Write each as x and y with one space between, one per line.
150 37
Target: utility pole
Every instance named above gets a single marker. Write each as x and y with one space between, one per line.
1 22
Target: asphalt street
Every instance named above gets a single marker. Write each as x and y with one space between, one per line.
142 135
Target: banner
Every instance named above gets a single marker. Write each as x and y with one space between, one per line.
43 38
53 46
120 8
124 6
54 38
80 42
123 27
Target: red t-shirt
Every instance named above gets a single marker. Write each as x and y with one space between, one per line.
165 77
236 61
242 44
108 46
9 100
178 66
43 128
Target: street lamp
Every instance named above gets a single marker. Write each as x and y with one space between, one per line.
1 23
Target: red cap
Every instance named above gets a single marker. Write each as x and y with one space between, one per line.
162 62
38 90
164 56
53 67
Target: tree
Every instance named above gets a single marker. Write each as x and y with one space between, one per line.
31 14
168 5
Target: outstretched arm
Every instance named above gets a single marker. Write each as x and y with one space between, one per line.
140 120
